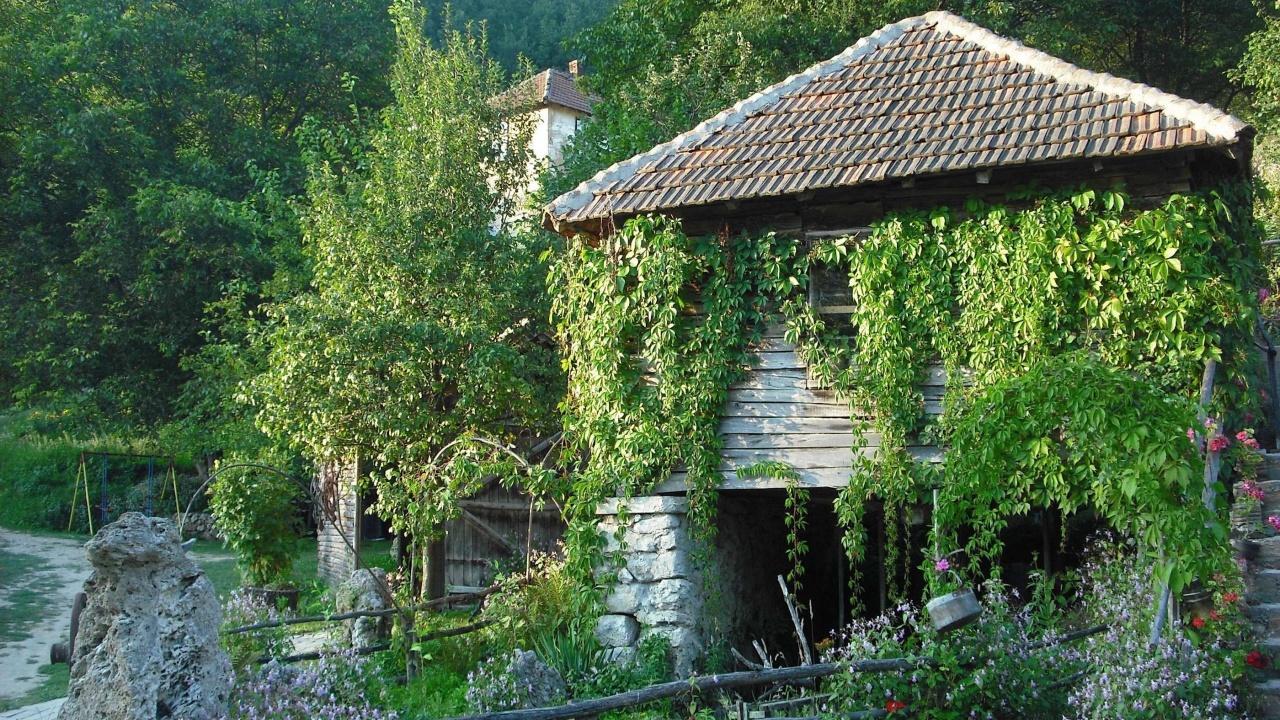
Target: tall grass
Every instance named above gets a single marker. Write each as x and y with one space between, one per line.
39 463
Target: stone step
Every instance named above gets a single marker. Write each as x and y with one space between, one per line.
1270 646
1262 586
1265 617
1266 699
1270 687
1269 556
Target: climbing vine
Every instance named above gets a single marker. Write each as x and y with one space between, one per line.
991 293
654 327
1108 303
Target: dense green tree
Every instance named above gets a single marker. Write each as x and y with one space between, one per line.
421 325
140 137
534 29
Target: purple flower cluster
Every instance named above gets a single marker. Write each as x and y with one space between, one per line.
1129 678
333 688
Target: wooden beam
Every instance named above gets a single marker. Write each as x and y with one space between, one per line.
487 530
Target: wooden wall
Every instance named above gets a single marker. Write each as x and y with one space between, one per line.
495 529
777 413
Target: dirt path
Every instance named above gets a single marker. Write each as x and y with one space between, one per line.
35 604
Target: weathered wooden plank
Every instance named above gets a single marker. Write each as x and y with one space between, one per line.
771 425
796 440
776 409
797 458
763 379
831 477
779 360
774 343
785 395
809 477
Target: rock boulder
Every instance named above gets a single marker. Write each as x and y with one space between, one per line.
366 589
148 641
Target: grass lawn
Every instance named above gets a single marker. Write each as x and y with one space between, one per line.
53 687
29 601
218 562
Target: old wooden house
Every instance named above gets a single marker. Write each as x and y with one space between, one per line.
928 111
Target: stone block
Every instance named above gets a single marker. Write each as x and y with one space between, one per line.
674 594
617 630
1266 618
1269 556
651 567
654 618
655 525
655 542
1263 587
626 598
646 505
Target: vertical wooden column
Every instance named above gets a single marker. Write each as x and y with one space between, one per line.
436 562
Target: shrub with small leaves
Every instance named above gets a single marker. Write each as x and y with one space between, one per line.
244 649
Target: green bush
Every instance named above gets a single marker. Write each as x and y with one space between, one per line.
256 513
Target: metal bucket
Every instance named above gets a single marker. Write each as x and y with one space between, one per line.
954 610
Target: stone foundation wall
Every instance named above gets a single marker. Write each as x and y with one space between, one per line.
658 589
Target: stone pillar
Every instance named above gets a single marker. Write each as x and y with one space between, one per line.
338 490
658 589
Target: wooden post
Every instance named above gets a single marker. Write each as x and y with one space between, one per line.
436 562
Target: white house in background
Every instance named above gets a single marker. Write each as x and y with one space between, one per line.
558 108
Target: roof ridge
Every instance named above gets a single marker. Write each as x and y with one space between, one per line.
578 197
1202 116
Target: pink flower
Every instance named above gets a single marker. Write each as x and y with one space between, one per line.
1250 488
1274 522
1191 435
942 565
1218 443
1263 294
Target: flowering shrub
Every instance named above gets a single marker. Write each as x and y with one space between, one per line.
988 669
240 609
1191 673
511 681
994 669
337 687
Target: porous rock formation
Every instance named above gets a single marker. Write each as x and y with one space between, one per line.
365 590
148 641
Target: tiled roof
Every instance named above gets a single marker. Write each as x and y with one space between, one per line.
925 95
552 87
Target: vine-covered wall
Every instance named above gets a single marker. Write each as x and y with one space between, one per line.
1115 307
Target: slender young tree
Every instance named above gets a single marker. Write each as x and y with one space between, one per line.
422 325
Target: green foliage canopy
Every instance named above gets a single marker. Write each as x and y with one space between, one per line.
422 325
135 140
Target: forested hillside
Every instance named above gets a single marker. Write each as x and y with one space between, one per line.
535 29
